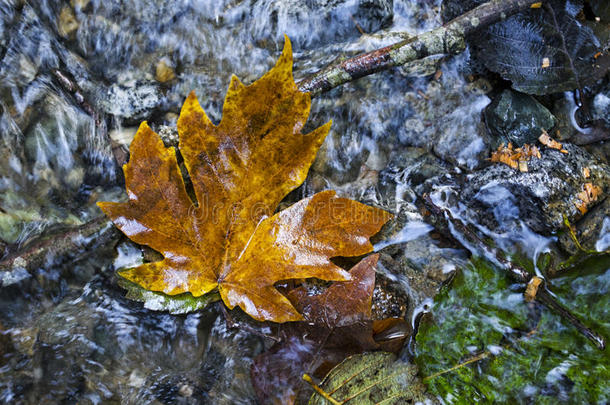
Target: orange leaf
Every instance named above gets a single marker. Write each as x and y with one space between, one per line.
587 196
515 158
546 140
229 238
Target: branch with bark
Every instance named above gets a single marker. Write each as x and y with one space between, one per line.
447 39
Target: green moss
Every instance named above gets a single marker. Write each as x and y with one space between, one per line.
537 357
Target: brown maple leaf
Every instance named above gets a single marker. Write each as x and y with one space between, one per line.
229 238
337 325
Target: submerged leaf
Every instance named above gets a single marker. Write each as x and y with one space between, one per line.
372 378
541 51
174 304
337 324
229 238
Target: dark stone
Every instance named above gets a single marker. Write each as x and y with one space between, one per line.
517 118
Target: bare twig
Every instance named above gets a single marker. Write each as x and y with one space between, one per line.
446 221
447 39
70 86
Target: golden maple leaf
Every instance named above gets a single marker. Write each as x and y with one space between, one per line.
229 238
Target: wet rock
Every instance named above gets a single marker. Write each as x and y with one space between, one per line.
412 266
563 110
445 117
5 345
372 15
312 23
225 371
319 22
133 101
80 4
408 169
27 68
601 151
388 300
123 136
601 107
169 135
499 197
517 118
95 346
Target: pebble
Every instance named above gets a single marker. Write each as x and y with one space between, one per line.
164 71
68 24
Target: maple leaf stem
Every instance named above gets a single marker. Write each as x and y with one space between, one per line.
320 391
447 39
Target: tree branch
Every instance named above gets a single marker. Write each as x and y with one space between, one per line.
447 39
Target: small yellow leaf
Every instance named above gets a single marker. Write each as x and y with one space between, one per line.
547 141
532 288
589 194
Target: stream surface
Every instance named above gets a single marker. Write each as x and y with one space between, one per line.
76 79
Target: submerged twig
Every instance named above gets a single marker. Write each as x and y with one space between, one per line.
447 39
545 297
34 253
71 87
474 359
445 220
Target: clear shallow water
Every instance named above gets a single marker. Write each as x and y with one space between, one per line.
68 334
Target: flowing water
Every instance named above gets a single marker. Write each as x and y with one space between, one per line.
78 76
